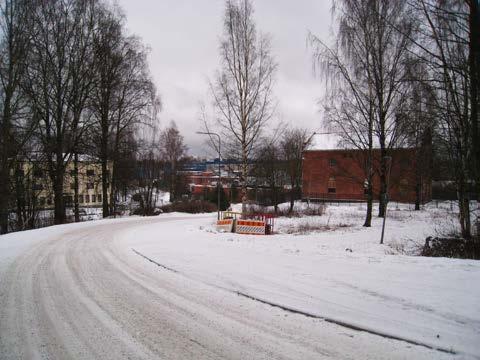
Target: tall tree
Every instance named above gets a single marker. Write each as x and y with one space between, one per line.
374 52
172 149
15 126
58 40
109 50
136 103
242 89
293 143
268 167
446 50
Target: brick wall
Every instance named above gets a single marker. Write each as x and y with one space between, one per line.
340 175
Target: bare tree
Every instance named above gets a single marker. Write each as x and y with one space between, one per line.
108 47
242 89
418 122
293 144
150 169
371 50
59 39
349 106
268 167
172 149
446 50
136 103
15 126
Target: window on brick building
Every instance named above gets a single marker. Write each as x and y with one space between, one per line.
94 199
87 199
403 188
99 197
332 186
80 198
90 172
332 162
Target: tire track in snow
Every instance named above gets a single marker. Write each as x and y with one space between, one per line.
307 314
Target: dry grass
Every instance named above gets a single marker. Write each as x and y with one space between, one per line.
308 228
312 210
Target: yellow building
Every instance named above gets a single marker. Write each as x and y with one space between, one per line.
90 193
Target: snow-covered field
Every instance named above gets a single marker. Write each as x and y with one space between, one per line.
336 285
342 273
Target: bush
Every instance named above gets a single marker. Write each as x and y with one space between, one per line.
452 247
191 207
145 212
313 210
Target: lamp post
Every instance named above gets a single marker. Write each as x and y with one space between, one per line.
219 169
385 199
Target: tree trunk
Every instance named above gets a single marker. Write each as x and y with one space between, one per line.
292 198
244 180
418 195
474 70
368 216
172 181
104 160
113 191
383 177
75 182
59 210
464 210
4 208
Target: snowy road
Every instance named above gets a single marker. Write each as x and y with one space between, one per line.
80 292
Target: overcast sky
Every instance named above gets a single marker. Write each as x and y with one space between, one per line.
184 38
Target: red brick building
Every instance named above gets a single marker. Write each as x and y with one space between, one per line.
339 174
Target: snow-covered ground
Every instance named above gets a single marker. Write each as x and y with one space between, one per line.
340 272
235 296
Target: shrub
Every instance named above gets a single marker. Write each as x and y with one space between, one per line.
313 210
452 247
191 207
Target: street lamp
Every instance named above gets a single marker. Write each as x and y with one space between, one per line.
219 169
385 196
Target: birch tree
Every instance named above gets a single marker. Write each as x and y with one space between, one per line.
371 50
242 89
172 149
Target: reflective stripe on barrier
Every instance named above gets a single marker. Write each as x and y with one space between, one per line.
225 225
253 227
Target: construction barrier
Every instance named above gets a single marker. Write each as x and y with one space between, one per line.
225 225
250 227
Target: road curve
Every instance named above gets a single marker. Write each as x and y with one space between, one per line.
82 295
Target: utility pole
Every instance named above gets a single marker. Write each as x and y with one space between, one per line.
219 168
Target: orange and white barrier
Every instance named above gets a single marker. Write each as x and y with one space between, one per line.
250 227
225 225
